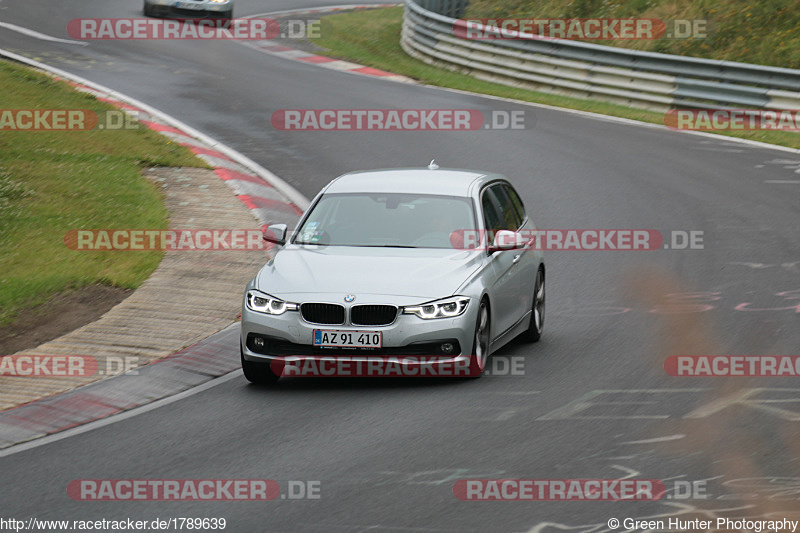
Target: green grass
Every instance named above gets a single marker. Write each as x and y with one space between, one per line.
766 32
52 182
372 37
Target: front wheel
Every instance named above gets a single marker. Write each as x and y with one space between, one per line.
260 373
536 327
480 343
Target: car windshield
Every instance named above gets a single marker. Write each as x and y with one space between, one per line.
386 220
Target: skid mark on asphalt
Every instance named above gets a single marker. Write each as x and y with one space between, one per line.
656 439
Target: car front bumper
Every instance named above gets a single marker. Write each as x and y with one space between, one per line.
189 7
410 341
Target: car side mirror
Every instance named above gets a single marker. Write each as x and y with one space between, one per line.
276 233
507 240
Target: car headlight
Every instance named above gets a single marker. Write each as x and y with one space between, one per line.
446 308
219 1
264 303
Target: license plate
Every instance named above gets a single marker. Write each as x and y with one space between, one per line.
189 5
347 339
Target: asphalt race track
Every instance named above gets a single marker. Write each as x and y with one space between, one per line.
594 400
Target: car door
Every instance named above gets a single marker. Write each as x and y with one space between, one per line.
499 213
527 262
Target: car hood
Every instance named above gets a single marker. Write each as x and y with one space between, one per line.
333 271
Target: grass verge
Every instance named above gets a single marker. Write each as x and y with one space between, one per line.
55 181
372 37
763 32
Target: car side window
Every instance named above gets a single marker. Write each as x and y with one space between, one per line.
517 201
492 219
509 215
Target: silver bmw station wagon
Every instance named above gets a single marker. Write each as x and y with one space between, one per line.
426 266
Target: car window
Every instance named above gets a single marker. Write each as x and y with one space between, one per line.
507 214
386 219
492 220
517 201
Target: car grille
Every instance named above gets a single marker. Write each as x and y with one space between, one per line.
372 315
319 313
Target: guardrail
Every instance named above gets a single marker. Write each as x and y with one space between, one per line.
630 77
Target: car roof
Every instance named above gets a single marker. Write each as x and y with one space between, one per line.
443 181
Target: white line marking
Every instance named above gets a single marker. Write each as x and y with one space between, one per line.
119 417
322 9
781 181
41 36
657 439
522 393
629 472
506 415
730 150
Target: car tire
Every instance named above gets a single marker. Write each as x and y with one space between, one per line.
536 327
148 11
259 373
479 353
